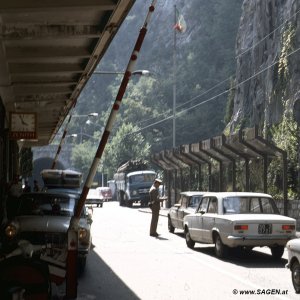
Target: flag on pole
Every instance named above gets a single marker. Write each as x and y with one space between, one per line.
180 24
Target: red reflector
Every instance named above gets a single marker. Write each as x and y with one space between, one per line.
288 227
240 227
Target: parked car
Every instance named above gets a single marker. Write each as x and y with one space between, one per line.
43 219
94 197
293 248
244 220
105 193
187 204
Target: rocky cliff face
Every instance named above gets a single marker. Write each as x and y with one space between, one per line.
268 63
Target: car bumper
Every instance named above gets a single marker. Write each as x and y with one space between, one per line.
140 197
92 201
255 241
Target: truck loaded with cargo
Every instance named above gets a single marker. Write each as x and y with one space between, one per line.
133 181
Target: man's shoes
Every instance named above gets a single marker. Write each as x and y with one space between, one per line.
154 234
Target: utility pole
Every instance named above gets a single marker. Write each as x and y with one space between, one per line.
174 82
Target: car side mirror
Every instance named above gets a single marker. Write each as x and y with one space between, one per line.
202 211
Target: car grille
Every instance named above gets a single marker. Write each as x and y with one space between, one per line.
41 238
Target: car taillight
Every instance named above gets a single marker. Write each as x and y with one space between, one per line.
240 227
288 227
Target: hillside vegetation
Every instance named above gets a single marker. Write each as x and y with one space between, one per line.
205 68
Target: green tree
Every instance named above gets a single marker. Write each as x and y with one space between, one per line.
205 56
125 145
82 156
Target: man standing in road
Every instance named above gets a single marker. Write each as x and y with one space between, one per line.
154 204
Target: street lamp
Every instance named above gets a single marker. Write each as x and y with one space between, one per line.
93 114
137 72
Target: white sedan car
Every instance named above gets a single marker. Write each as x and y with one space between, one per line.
187 204
94 197
293 248
242 219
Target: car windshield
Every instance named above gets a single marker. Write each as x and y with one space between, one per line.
249 205
45 204
194 202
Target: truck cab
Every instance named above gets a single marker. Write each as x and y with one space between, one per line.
134 187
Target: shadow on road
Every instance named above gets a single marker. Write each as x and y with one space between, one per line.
105 284
252 259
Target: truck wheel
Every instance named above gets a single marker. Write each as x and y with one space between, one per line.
121 198
296 276
128 202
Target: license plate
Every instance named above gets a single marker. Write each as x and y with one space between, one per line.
265 228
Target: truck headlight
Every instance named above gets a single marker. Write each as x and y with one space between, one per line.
134 193
11 231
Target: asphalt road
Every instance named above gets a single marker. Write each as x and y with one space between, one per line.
127 264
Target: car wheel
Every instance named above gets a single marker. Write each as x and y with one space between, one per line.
221 250
296 276
189 242
97 205
277 252
170 226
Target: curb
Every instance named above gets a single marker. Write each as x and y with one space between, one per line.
163 212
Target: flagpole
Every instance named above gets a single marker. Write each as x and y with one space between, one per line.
174 81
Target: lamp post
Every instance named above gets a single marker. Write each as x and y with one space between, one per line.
89 122
83 134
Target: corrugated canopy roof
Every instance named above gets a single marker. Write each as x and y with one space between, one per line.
48 50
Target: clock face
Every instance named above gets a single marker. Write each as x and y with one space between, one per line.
23 125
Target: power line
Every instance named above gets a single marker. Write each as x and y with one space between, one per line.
227 79
216 96
281 25
217 85
241 83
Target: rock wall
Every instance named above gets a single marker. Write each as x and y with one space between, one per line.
268 63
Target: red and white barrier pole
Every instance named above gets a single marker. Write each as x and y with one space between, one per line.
105 136
114 111
71 265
